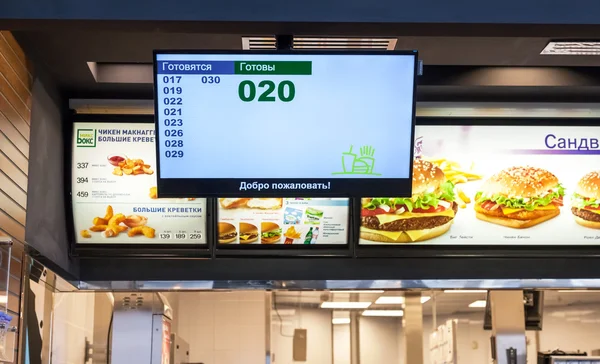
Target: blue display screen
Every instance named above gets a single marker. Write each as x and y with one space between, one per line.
284 119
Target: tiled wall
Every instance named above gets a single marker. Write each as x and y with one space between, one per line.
15 112
223 328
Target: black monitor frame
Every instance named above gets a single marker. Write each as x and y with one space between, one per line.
212 187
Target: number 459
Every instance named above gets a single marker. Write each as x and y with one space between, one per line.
286 91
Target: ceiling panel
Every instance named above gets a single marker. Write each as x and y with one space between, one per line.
64 52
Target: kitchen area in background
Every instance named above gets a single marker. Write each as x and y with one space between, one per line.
313 327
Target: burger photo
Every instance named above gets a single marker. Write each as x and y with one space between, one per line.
519 197
270 233
227 233
586 201
427 214
248 233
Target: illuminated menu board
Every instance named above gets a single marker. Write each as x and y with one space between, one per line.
283 221
247 124
494 185
114 190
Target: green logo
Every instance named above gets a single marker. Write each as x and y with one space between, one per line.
352 163
86 138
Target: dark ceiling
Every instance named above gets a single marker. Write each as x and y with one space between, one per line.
64 50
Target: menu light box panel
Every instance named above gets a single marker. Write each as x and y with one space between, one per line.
292 124
283 221
114 190
494 185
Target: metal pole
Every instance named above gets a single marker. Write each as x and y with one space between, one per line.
354 338
413 327
508 326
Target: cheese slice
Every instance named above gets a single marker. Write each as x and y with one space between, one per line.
387 218
594 211
416 234
508 211
393 235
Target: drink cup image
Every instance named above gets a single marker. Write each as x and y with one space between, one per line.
348 160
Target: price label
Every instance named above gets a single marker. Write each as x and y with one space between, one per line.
196 236
180 236
165 236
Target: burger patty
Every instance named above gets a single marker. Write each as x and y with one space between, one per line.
519 215
413 223
228 236
585 214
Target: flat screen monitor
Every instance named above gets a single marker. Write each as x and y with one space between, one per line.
295 124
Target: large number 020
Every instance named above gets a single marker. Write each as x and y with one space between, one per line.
286 91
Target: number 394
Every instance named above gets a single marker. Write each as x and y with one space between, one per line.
286 91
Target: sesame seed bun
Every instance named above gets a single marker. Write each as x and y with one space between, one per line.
427 177
588 186
519 182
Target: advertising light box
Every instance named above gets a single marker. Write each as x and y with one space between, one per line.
286 124
114 190
494 185
283 221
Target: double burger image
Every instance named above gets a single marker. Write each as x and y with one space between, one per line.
519 197
428 213
586 201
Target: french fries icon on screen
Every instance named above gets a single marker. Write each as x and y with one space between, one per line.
111 225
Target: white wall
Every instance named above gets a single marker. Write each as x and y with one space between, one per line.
73 322
223 327
379 340
341 344
319 341
571 329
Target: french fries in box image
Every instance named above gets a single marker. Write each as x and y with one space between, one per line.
112 225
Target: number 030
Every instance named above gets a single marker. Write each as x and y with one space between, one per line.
286 91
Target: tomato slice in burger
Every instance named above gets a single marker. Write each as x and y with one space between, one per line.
377 211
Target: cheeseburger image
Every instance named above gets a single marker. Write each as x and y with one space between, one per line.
248 233
227 233
270 233
519 197
427 214
586 201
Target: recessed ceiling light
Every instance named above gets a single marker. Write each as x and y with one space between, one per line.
384 313
572 48
478 304
341 321
465 291
345 305
396 300
360 291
